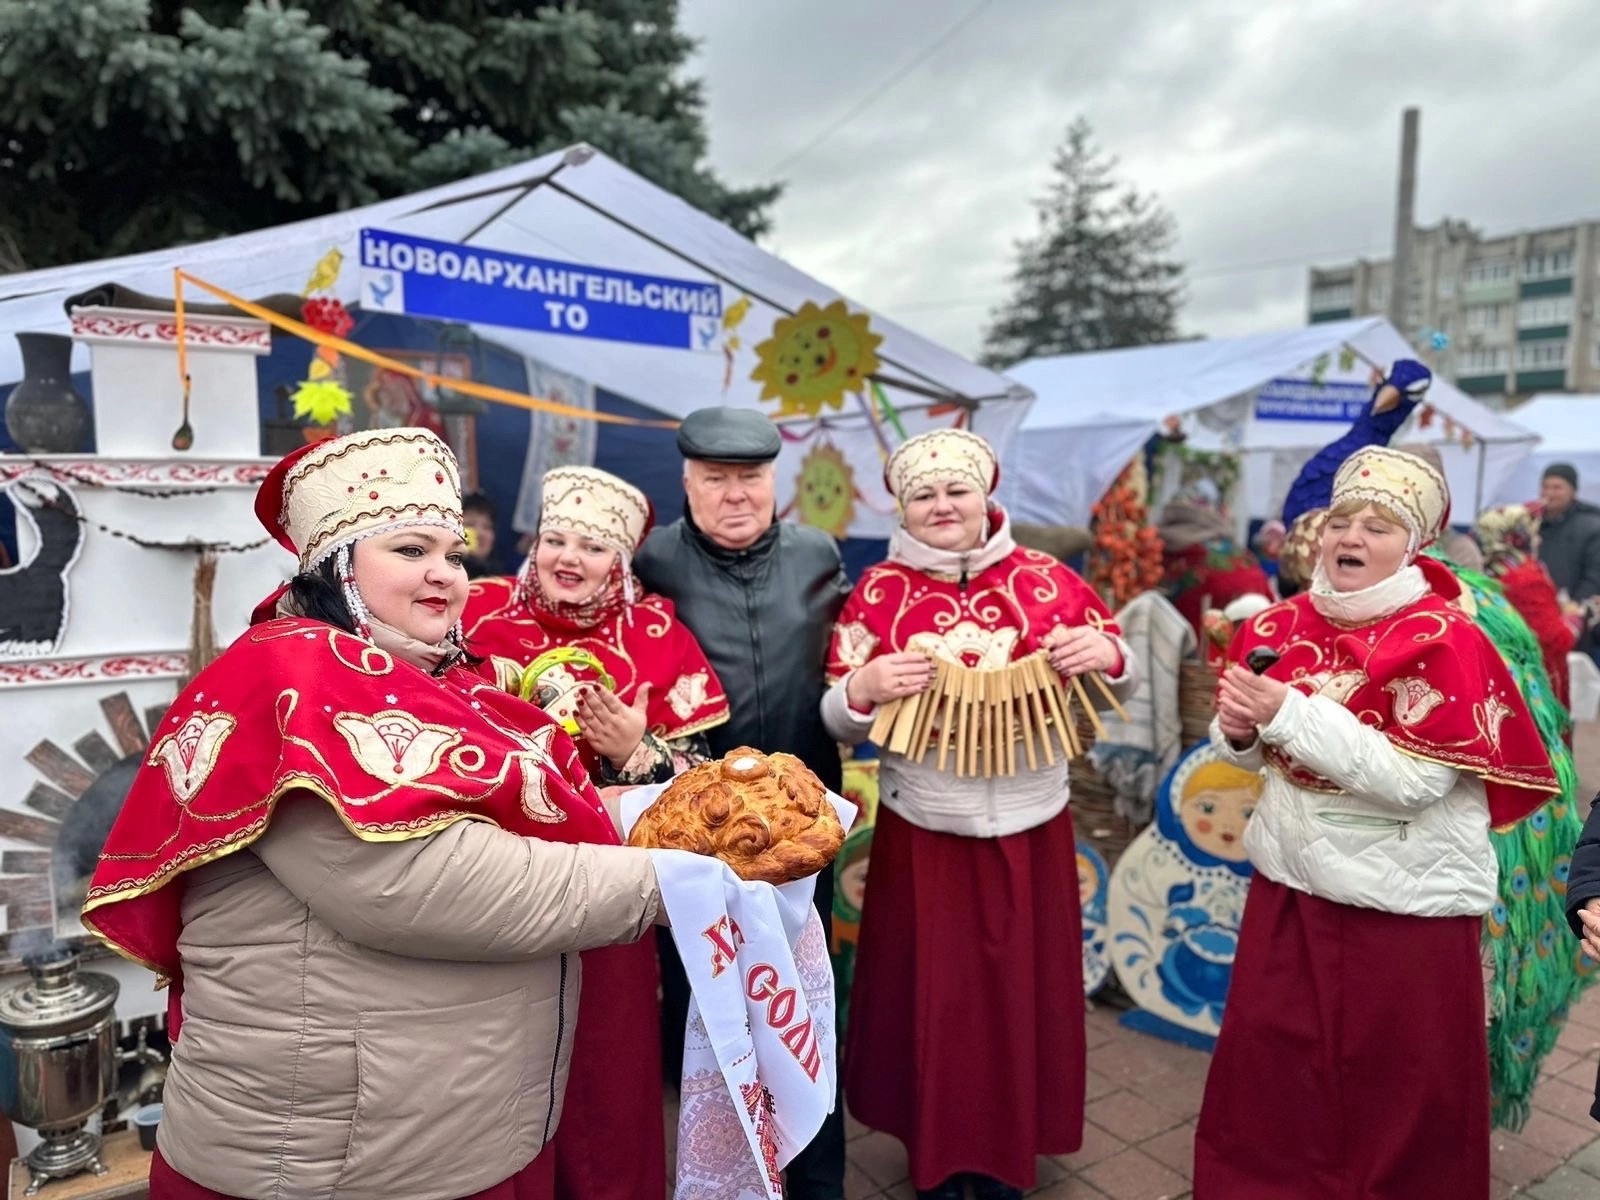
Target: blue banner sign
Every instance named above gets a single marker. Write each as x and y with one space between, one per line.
423 278
1307 400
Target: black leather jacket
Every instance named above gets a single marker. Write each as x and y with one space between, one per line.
1569 547
763 615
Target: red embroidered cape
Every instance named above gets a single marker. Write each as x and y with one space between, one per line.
1002 614
297 705
655 647
1427 678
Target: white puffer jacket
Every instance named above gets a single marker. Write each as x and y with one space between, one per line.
1403 835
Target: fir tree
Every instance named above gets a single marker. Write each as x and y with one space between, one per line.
127 125
1097 273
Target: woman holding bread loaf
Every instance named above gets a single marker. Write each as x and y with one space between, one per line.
576 615
966 1036
364 870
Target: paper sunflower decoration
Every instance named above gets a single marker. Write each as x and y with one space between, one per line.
814 357
825 491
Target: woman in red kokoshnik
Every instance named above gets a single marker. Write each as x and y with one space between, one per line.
1509 538
577 591
364 869
966 1036
1353 1059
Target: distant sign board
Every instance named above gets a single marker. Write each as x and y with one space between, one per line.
1307 400
421 277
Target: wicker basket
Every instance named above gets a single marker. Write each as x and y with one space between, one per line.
1197 699
1095 820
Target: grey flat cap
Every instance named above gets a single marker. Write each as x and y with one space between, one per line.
737 435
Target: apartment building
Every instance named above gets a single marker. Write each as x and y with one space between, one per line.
1519 310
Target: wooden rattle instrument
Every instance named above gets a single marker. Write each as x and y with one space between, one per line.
976 716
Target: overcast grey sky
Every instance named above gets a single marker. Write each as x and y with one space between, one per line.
1269 130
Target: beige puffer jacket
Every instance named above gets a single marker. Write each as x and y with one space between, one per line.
376 1020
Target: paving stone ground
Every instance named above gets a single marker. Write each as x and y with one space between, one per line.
1144 1096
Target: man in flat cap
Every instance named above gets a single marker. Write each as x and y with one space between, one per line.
1569 543
760 595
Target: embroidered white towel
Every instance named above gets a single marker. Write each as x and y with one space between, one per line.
759 1060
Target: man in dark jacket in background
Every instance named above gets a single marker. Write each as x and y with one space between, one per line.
1569 534
1569 543
760 596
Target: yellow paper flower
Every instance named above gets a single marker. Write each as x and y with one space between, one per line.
814 357
321 402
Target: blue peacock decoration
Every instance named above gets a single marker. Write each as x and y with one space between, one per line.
1394 398
1539 970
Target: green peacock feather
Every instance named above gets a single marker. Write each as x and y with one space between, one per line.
1537 971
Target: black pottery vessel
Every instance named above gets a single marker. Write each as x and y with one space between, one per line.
44 415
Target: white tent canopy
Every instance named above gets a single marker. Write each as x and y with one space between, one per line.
1094 411
581 207
1569 431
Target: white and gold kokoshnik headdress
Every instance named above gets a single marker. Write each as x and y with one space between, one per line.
1410 487
595 504
321 500
942 456
335 493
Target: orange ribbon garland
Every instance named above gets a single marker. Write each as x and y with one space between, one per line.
319 338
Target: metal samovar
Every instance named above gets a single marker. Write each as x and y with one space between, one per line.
61 1033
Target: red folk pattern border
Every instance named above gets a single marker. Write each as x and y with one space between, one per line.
111 472
34 672
163 328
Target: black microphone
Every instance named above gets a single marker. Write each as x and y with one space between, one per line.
1259 659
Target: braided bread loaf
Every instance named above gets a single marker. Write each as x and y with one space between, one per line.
765 815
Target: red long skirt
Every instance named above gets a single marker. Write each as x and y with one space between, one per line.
533 1182
611 1143
966 1035
1352 1063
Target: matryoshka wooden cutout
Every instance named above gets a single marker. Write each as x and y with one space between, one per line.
1177 895
1094 882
